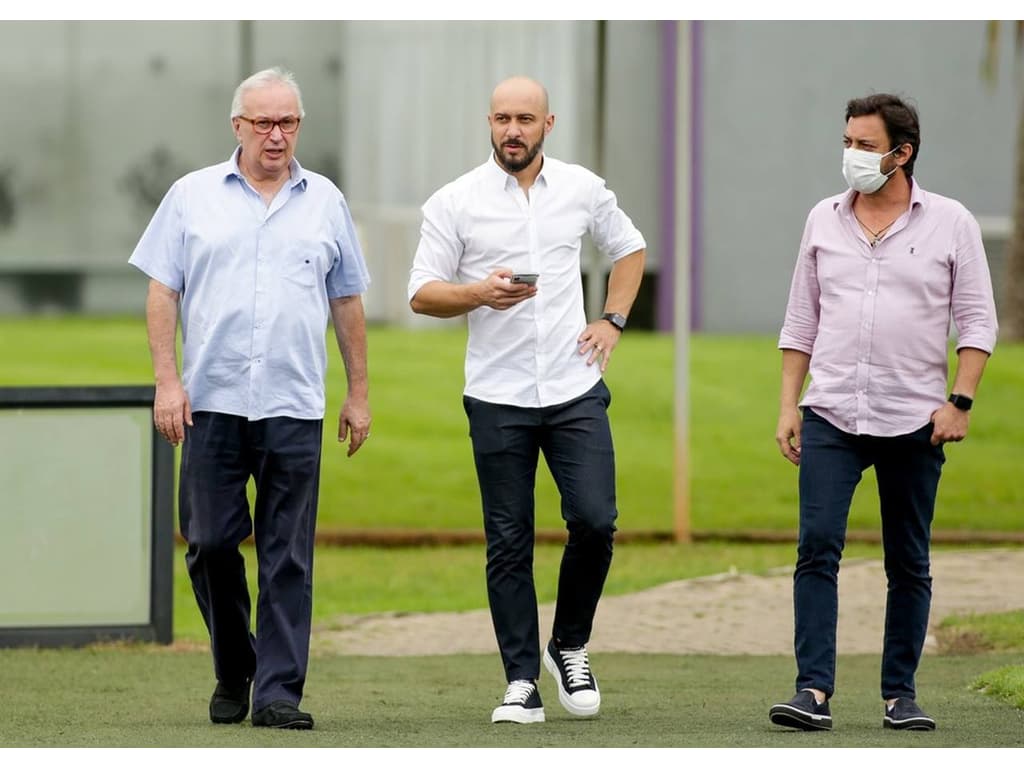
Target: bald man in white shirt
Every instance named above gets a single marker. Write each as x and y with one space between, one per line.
502 245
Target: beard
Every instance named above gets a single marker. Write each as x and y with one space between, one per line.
512 165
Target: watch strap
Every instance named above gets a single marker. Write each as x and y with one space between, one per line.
963 402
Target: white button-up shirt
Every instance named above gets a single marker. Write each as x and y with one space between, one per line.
528 355
255 281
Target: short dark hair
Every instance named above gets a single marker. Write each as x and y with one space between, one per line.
900 119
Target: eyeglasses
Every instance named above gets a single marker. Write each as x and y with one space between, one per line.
265 125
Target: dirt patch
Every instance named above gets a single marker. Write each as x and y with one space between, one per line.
731 613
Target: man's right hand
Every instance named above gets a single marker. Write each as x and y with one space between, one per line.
499 292
171 411
787 434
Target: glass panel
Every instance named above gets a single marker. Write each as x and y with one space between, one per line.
75 516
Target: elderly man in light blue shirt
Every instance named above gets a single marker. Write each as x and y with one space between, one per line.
257 254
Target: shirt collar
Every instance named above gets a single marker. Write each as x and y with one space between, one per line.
296 172
500 176
917 197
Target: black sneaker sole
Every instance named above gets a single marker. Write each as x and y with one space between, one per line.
289 725
791 717
917 724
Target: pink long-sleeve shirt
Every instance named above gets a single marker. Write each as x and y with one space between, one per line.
876 321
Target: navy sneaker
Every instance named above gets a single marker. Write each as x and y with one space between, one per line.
577 687
521 704
803 712
905 715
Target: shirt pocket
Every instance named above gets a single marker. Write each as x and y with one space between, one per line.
300 266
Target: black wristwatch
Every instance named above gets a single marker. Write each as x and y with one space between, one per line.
962 402
619 321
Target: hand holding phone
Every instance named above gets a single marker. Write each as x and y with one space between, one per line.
529 278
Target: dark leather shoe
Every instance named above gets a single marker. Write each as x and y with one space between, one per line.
230 703
282 714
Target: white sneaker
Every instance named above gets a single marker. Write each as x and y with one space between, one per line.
577 687
521 704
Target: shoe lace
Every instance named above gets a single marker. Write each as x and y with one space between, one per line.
518 692
577 666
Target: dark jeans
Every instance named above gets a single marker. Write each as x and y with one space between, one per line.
576 441
282 455
831 464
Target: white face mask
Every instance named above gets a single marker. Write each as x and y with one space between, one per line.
863 170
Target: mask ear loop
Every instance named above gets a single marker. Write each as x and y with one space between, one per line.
890 173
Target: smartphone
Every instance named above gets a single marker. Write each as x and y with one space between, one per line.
530 278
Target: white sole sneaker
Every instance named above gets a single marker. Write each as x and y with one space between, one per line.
573 706
513 713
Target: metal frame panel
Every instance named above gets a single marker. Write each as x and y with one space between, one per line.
159 627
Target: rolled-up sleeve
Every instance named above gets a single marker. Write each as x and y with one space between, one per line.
800 327
612 230
440 249
973 305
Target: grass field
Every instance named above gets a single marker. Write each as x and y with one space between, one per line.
116 697
417 470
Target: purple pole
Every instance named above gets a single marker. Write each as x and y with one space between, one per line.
666 181
696 174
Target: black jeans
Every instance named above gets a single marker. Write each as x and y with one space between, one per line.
576 441
831 464
282 455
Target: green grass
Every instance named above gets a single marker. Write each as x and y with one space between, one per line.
1005 683
417 470
986 632
144 697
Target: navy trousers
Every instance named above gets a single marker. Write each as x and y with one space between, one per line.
575 438
831 464
282 455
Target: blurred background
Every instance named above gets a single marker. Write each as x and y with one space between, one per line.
718 137
103 115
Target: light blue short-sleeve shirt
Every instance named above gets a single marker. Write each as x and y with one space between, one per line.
255 281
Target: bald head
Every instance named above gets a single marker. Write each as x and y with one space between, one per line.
523 91
519 122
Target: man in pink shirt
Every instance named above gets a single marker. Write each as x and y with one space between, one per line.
881 271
